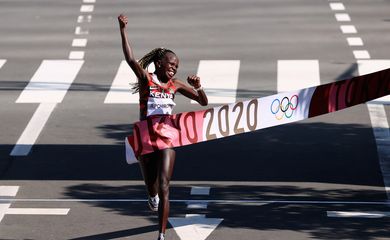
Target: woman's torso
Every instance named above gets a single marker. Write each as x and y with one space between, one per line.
156 98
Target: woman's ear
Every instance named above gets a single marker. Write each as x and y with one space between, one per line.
157 64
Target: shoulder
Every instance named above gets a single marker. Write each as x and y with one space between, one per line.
178 83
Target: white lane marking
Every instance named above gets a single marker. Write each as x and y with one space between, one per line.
80 31
33 130
297 74
219 79
120 91
9 191
37 211
76 55
342 17
198 205
348 29
374 65
2 62
51 81
200 191
342 214
79 42
379 121
213 201
194 226
361 54
337 6
83 18
86 8
89 1
6 191
3 209
355 41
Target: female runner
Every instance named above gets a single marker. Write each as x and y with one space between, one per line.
156 91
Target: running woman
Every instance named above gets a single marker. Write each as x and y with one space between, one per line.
157 91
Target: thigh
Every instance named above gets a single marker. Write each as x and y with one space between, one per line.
149 164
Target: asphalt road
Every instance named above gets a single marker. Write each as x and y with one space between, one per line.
292 174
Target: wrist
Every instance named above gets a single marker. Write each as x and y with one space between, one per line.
198 88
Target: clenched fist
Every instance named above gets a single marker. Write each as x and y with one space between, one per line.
194 81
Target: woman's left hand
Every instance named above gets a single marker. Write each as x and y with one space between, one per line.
194 81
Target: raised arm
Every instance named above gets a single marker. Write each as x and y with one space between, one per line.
127 51
195 93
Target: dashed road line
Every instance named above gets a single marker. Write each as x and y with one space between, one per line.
348 29
377 112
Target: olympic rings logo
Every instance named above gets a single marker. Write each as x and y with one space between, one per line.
285 107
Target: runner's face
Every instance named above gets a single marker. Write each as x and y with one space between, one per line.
169 65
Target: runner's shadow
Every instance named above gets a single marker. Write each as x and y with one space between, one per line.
119 234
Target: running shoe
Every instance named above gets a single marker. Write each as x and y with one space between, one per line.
161 236
153 203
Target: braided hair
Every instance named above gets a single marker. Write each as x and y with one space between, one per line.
153 56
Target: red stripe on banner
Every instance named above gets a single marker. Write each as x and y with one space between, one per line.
335 96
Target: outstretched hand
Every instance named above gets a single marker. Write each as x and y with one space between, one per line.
194 81
122 19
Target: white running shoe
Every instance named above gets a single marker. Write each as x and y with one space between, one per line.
153 203
161 236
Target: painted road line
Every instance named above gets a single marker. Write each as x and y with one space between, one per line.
361 54
89 1
51 81
348 29
197 205
86 8
194 226
219 79
120 91
208 201
297 74
342 17
33 130
82 18
3 209
355 41
2 62
37 211
79 42
337 6
379 120
341 214
200 191
76 55
8 191
80 31
374 65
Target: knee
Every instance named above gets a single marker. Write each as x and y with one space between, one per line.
164 186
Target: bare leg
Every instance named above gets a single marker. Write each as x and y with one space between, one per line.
149 167
165 170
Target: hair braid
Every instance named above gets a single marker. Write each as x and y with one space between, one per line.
153 56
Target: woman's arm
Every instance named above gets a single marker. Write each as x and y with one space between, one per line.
196 93
127 51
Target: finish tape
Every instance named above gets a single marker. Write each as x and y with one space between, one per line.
168 131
